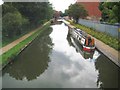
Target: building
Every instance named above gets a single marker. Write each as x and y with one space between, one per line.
56 14
92 8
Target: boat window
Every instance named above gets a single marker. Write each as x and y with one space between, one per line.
89 41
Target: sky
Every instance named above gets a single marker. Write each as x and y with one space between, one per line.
61 5
1 2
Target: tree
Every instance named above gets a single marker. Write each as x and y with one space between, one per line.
66 12
110 11
77 11
36 12
16 16
8 8
12 23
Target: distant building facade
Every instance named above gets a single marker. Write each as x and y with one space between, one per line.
56 14
92 8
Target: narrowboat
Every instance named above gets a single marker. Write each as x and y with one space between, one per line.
74 43
87 42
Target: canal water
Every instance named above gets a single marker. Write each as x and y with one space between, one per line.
56 60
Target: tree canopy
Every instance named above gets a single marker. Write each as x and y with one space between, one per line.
76 11
110 12
12 23
17 15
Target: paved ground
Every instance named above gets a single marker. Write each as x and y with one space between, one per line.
108 51
11 45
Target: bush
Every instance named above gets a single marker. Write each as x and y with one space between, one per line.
12 23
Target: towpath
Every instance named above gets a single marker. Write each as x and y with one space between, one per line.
14 43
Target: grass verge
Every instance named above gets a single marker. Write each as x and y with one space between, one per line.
106 38
9 55
7 40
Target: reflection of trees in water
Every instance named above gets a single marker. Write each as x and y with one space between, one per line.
33 61
78 47
108 73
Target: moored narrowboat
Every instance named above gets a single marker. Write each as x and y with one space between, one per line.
87 42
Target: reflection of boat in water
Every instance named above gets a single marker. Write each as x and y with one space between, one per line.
74 42
88 43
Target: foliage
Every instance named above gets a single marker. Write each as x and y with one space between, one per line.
110 12
18 17
8 8
35 11
77 11
65 13
12 23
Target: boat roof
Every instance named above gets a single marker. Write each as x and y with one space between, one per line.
81 32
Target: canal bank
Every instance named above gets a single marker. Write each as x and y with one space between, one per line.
9 52
108 51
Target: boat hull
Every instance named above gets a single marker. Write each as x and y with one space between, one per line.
89 49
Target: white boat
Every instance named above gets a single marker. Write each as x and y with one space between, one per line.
87 42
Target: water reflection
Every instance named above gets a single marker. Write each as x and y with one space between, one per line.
0 80
108 73
70 68
86 55
73 42
107 70
33 61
